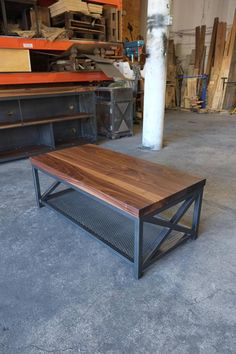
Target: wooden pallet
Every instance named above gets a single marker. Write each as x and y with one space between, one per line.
81 25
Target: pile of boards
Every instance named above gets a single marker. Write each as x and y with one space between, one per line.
63 6
215 73
221 66
95 10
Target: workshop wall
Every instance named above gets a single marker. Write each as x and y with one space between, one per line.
187 14
132 15
203 13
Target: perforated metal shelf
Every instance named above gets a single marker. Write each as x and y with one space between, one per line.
106 224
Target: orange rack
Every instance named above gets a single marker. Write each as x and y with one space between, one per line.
43 44
51 77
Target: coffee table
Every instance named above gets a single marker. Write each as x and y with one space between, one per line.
133 206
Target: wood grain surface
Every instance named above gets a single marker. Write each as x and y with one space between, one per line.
136 186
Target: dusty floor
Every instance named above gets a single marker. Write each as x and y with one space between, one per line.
62 292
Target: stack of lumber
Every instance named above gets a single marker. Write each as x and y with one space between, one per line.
95 10
221 63
196 66
220 68
63 6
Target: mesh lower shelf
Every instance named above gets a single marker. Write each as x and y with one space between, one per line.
107 224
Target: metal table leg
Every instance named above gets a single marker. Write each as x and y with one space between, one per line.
37 187
197 214
138 248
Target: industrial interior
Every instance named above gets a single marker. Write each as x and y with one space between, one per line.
117 176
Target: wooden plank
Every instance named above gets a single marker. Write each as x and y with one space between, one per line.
44 121
217 61
63 6
130 184
210 60
84 30
202 50
220 45
230 94
219 96
197 46
15 60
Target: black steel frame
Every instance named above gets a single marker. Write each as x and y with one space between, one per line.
140 261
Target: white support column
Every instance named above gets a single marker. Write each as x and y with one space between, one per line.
158 21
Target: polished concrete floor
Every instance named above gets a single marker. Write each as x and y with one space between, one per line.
63 292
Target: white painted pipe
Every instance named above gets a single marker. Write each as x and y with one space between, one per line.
158 21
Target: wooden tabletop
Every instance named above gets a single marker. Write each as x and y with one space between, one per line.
136 186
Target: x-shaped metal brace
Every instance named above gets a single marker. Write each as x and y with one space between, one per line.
141 261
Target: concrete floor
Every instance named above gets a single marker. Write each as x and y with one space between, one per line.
62 292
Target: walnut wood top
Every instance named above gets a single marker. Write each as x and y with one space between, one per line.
136 186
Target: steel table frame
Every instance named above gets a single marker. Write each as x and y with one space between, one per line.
140 264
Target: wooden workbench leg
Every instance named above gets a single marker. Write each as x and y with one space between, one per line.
37 187
197 214
138 248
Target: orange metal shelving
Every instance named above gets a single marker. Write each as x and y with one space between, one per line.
117 3
43 44
51 77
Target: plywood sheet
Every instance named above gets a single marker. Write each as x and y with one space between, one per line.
15 60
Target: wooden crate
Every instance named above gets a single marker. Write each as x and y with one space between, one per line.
15 60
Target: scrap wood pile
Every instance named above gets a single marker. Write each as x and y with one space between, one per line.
62 6
207 82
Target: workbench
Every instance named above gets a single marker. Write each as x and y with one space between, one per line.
121 200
